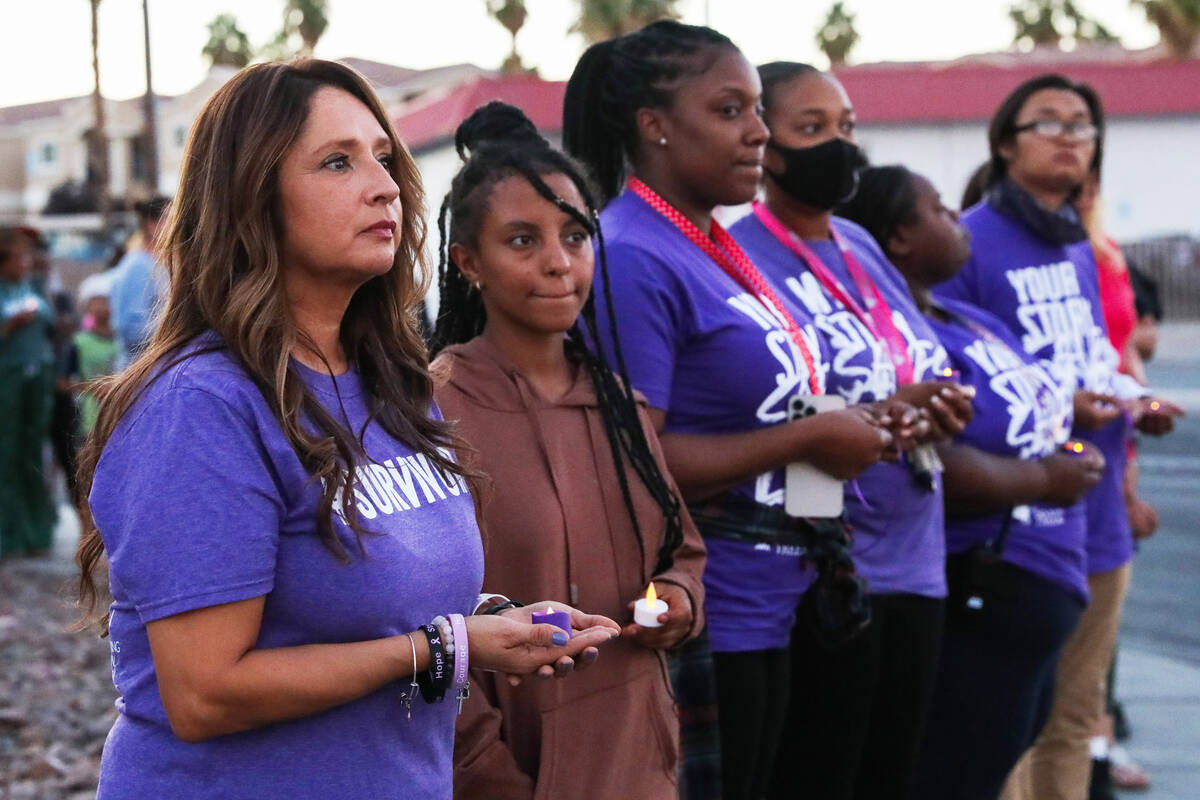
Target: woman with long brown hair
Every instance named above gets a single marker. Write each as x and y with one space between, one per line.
293 553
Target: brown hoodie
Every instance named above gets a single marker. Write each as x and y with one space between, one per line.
556 528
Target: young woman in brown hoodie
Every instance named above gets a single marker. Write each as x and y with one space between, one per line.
580 507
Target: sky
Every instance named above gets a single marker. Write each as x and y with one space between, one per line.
45 45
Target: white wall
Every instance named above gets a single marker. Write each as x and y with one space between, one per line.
946 153
1151 167
1152 177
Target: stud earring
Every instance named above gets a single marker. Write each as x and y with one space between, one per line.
663 141
478 286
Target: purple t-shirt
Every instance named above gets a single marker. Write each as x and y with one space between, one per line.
1048 295
1021 411
899 544
201 501
709 354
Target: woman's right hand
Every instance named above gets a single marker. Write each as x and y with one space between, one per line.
1070 476
845 442
516 647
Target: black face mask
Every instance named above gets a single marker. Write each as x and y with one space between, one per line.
821 176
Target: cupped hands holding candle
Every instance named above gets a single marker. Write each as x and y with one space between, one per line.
1154 415
576 649
667 627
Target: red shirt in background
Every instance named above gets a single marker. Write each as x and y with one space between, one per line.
1116 296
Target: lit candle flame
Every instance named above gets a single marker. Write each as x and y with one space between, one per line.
651 595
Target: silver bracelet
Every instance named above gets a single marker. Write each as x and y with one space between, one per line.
406 698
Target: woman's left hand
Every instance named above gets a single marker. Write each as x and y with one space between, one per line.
589 631
676 620
949 406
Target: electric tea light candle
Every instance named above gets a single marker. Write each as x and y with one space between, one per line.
560 619
647 610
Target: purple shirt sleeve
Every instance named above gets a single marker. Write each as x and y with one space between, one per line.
648 321
187 506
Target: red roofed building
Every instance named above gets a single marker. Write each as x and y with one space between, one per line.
427 125
430 122
933 118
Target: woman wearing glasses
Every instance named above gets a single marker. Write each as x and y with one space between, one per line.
1032 266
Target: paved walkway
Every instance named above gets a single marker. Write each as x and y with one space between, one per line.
1162 699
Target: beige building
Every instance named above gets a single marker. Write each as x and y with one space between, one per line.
44 145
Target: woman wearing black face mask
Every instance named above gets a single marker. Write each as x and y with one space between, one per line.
857 710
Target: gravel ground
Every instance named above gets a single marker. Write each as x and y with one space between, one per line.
56 692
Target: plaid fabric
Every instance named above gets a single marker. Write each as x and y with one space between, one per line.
695 687
731 516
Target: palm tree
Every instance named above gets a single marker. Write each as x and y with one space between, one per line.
605 19
1178 23
98 149
837 36
227 44
309 19
1046 23
511 14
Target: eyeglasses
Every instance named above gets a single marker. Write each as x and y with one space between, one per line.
1052 128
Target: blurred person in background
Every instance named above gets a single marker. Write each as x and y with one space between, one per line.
139 282
93 354
27 325
1112 766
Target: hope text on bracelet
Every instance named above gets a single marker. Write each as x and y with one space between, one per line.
435 680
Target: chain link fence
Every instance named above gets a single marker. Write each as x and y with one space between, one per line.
1174 263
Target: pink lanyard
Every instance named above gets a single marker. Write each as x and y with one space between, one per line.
730 257
878 319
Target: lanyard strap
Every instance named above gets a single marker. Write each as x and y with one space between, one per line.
877 317
968 323
730 257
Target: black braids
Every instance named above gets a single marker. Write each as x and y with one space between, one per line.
774 75
613 79
619 394
675 525
886 199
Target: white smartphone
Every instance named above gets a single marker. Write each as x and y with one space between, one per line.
809 492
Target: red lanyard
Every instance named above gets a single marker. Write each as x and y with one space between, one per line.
878 317
730 257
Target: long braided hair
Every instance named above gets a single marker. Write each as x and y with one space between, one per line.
496 142
615 78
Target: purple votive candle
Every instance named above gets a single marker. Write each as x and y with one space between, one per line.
560 619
